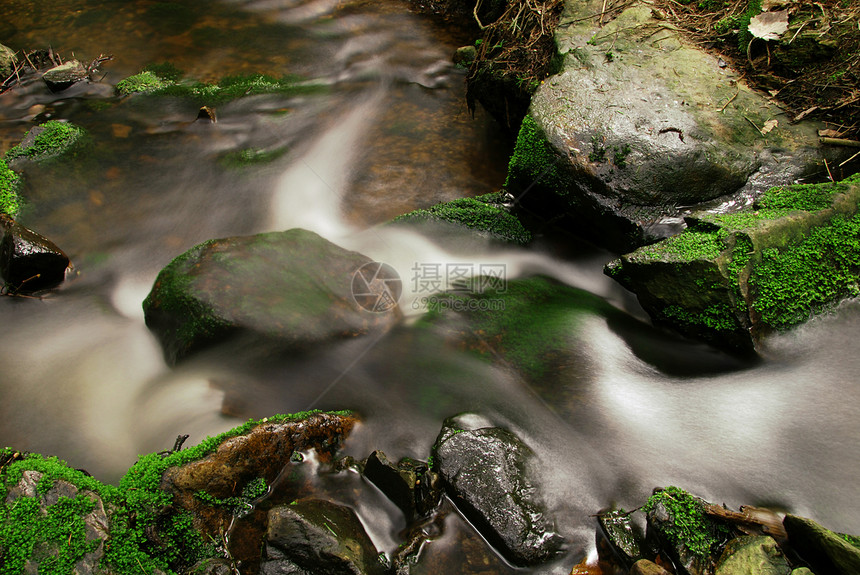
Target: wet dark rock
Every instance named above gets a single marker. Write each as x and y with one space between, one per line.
639 127
646 567
260 453
207 115
753 554
29 262
825 551
292 289
489 474
65 75
314 536
409 484
618 537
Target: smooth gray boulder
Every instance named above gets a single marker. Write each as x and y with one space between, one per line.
293 289
639 127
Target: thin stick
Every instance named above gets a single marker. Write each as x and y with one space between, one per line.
849 159
828 171
754 126
730 101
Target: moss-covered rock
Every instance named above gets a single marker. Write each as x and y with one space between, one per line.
639 126
730 279
678 523
166 513
291 289
824 550
50 141
488 215
8 59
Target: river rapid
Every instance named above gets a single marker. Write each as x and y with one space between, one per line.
631 408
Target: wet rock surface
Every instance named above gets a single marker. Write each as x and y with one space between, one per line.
29 261
410 484
260 454
292 289
65 75
317 536
488 473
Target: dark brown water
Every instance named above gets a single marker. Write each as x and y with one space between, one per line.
626 410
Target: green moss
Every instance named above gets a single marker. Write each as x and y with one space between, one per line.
138 507
240 503
251 156
50 140
55 540
517 320
144 82
694 243
718 317
533 162
10 202
809 277
229 88
484 213
689 526
806 197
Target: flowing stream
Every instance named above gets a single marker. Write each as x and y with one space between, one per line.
629 409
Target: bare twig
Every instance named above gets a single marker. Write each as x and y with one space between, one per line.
730 101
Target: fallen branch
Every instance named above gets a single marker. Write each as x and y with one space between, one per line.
840 142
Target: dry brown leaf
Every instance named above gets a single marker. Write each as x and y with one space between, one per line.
828 133
769 125
769 25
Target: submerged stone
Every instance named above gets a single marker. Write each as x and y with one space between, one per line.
490 474
731 279
293 289
639 126
409 484
646 567
29 261
65 75
49 141
824 550
617 535
318 536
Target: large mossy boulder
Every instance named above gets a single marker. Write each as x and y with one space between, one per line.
639 126
731 279
293 289
824 550
490 474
